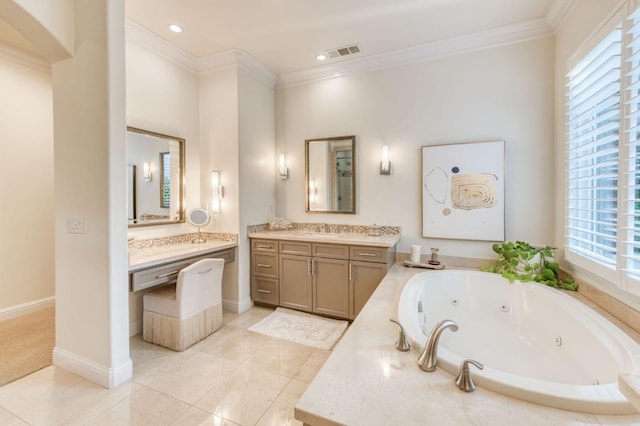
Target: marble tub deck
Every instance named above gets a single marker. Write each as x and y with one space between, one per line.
366 381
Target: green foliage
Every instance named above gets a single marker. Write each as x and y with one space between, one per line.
521 261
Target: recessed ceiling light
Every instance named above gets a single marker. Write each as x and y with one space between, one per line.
321 57
175 28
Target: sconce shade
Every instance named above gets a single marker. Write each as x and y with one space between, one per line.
313 191
385 164
283 171
146 171
217 192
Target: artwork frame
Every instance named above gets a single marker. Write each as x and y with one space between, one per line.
463 191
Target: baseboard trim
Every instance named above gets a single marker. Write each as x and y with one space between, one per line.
234 306
107 377
27 308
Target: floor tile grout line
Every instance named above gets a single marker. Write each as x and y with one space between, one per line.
274 400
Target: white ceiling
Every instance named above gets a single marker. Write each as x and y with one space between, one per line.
286 35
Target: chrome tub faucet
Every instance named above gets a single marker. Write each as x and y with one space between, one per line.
428 359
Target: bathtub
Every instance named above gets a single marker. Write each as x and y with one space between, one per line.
536 343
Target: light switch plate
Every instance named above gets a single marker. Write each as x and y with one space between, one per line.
75 225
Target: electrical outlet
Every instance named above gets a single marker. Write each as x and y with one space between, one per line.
75 225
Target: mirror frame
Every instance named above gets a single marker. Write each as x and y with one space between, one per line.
352 210
181 185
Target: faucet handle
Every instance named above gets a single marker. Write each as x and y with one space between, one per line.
402 344
464 381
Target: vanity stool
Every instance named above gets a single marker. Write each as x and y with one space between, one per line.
180 315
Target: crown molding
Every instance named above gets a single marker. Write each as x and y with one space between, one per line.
236 58
558 13
22 57
216 62
528 30
161 47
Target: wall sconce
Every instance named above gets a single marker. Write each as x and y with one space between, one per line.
313 191
282 167
217 192
146 171
385 164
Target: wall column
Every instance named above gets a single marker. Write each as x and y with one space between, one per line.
90 203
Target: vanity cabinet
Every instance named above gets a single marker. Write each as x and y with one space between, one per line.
328 279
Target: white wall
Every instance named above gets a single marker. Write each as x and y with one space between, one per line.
26 218
257 169
219 135
237 131
501 93
163 97
90 183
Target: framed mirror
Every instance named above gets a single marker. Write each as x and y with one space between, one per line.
330 175
155 178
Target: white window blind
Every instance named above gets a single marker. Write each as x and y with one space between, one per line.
593 103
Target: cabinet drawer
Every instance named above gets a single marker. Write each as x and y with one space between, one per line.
264 265
266 246
369 254
265 290
295 247
157 276
334 251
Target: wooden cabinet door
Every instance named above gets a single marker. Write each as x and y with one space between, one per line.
365 277
295 282
331 287
265 290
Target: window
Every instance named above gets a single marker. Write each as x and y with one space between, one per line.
165 180
603 158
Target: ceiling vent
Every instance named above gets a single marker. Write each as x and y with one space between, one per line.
343 51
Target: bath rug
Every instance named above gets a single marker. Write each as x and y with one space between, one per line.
300 327
26 344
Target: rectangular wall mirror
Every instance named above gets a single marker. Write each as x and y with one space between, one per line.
330 175
155 178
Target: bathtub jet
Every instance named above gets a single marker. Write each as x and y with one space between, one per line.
536 343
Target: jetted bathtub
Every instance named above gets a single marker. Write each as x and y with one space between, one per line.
536 343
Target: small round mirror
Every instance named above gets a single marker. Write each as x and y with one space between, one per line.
198 218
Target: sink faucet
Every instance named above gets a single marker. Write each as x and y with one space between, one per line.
428 359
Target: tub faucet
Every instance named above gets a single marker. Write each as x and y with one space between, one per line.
464 381
428 359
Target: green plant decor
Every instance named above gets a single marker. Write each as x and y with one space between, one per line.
521 261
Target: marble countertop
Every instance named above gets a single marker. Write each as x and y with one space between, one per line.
348 238
366 381
157 255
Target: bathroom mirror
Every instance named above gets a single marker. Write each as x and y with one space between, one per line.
330 175
155 178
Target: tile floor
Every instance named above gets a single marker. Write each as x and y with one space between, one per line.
234 377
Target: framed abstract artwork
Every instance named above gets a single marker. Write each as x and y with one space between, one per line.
463 191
